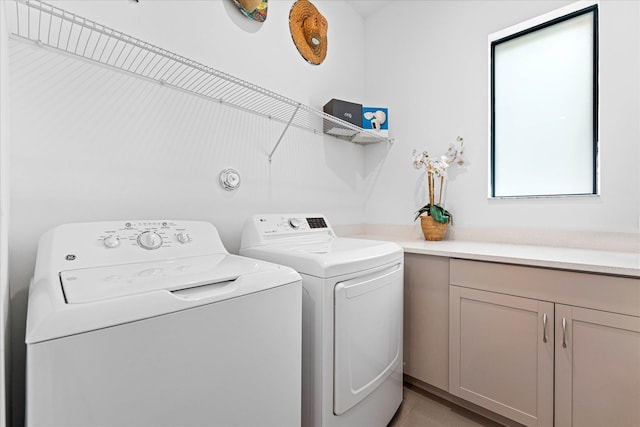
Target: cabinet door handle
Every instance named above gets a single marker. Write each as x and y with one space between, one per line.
564 332
544 327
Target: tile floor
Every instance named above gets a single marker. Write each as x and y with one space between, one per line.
422 409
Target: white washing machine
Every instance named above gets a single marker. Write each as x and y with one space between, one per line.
352 317
154 323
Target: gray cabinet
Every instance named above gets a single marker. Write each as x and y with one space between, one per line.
501 354
527 342
597 367
426 316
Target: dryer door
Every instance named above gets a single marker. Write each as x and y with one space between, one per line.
368 334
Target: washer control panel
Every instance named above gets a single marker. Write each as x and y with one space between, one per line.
149 235
94 244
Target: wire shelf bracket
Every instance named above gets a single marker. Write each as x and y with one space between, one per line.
283 132
65 32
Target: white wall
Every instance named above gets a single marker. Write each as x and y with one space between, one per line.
5 334
89 143
436 88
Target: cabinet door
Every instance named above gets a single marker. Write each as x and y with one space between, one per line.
501 354
426 319
597 368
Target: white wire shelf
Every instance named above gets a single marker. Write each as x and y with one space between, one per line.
66 32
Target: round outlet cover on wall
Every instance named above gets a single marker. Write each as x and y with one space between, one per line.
230 179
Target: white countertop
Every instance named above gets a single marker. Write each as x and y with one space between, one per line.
587 260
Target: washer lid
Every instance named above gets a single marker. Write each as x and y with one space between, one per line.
83 300
94 284
328 257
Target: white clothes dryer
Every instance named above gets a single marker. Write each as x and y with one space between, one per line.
154 323
352 317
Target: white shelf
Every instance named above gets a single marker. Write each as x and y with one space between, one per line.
66 32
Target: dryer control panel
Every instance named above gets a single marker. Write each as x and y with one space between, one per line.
261 229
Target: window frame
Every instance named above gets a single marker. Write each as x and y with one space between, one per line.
528 27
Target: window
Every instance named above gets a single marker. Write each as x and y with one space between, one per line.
544 107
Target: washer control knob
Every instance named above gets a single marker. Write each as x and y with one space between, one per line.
150 240
111 241
294 223
183 237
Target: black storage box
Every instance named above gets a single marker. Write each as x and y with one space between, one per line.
347 111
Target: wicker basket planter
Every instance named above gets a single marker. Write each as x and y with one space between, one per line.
432 229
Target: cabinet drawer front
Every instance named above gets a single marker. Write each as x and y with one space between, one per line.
597 291
498 355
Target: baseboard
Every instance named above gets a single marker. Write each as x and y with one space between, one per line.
444 395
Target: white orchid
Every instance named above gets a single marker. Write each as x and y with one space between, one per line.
455 152
438 167
420 159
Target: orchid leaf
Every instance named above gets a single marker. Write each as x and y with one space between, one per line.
438 213
424 209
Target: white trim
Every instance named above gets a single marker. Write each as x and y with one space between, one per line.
4 216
